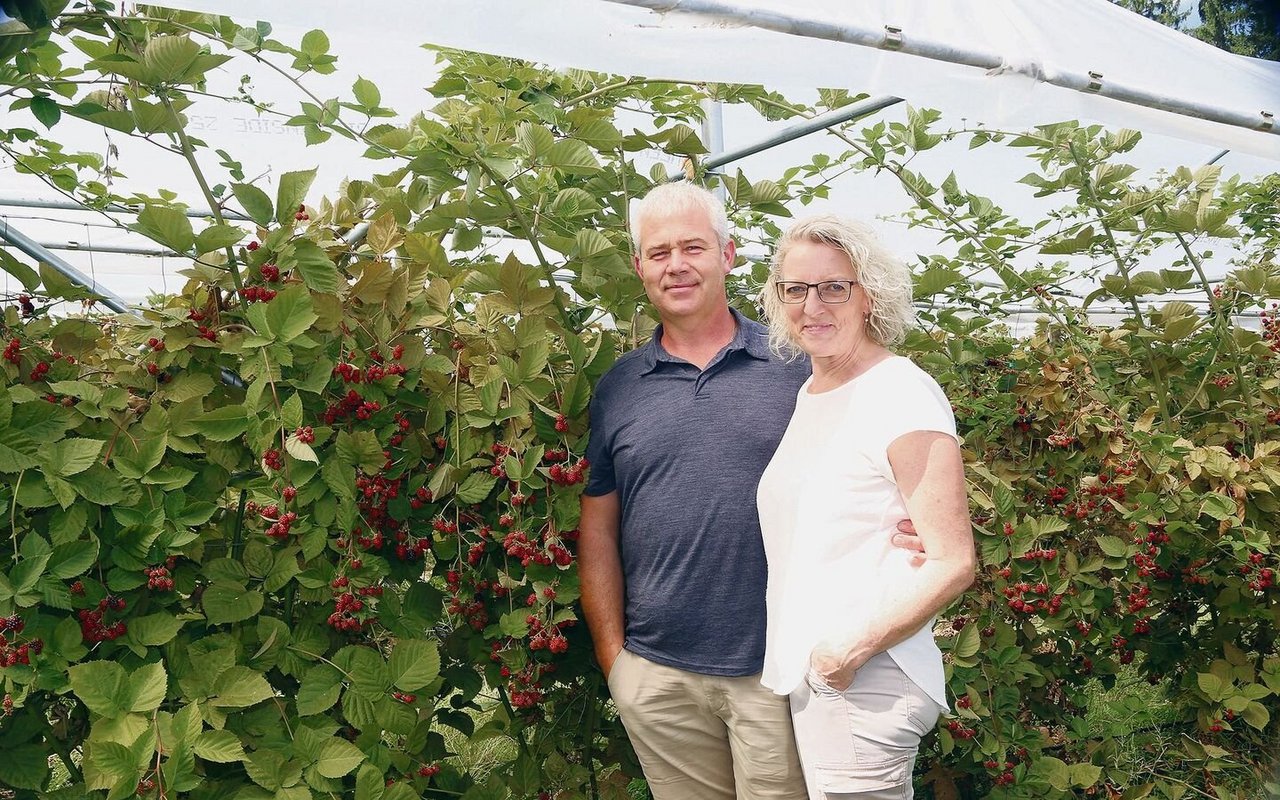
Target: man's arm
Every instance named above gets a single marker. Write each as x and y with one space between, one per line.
600 572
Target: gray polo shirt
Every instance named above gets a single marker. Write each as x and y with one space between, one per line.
684 448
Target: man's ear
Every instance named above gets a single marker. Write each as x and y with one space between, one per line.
730 254
635 264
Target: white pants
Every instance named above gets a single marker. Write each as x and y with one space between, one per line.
862 742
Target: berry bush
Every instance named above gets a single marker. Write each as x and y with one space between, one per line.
296 529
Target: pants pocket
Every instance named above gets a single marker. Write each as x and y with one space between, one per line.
890 779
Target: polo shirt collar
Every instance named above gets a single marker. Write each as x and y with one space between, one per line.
747 336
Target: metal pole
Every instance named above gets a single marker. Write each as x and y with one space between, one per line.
67 205
109 299
891 38
41 253
713 136
111 248
830 119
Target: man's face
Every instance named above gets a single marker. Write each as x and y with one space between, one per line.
682 265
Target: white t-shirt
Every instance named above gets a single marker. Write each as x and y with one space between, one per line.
829 506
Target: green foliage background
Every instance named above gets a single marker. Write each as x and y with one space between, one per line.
317 578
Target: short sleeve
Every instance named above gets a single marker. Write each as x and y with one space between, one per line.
600 479
908 400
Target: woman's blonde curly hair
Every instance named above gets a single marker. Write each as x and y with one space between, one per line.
883 276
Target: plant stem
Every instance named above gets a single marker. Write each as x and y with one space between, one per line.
532 237
1224 335
1086 185
189 153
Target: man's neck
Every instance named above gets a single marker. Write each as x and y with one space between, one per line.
698 341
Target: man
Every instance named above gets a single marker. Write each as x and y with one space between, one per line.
670 554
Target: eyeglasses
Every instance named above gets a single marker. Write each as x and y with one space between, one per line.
828 291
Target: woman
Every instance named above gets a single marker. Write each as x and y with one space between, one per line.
872 441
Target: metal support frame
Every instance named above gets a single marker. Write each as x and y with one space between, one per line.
108 298
39 252
115 208
828 120
1262 120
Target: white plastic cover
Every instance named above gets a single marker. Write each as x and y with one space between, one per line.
1026 41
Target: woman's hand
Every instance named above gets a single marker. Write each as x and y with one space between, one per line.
835 665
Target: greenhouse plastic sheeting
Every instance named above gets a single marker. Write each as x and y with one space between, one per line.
1021 48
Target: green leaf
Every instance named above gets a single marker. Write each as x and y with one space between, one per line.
101 686
28 277
72 456
139 452
226 602
366 92
166 225
255 202
476 487
360 449
1218 506
239 687
46 110
154 630
222 424
217 237
1084 775
300 449
292 192
313 264
17 453
1256 715
222 747
967 642
414 664
315 43
291 313
319 690
115 760
71 559
1213 686
338 757
513 624
168 58
147 686
24 767
1113 546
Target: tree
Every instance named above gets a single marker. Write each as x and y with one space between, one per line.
1247 27
1244 27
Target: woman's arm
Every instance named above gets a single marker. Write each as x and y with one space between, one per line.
930 474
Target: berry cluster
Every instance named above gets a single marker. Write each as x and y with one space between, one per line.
352 404
959 730
1030 599
257 294
344 617
159 579
301 214
1271 326
13 351
25 304
1266 575
272 460
270 273
93 623
428 770
13 652
208 333
6 706
39 371
305 434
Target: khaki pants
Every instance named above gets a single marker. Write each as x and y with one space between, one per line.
706 737
862 743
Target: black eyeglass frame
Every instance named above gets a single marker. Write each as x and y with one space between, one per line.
781 288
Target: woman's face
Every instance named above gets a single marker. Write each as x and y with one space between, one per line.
824 330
